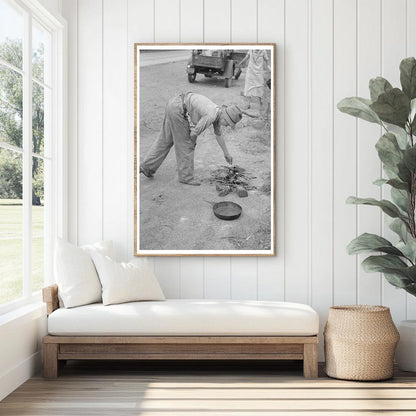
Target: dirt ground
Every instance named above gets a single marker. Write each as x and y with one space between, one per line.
174 216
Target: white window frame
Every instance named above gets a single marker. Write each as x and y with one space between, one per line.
58 211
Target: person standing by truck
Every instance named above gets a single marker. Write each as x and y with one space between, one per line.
186 117
258 62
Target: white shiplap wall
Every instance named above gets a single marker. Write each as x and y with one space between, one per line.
326 50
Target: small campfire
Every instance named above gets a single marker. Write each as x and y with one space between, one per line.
231 179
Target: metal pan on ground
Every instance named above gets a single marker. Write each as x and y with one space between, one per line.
226 210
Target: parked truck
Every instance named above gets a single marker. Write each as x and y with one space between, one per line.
215 62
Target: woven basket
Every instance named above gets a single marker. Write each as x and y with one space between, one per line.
360 342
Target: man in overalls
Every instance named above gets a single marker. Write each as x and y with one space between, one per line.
186 117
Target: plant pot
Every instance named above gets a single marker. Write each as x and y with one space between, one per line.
360 341
406 350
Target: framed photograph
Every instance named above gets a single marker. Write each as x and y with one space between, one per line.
204 127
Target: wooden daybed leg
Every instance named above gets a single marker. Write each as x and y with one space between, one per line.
50 360
310 360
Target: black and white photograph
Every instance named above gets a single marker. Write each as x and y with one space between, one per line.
204 149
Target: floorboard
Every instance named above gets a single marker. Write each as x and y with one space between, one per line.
206 388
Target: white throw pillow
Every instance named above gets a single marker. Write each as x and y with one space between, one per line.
126 282
75 273
103 247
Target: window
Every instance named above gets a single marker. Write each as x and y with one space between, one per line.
31 140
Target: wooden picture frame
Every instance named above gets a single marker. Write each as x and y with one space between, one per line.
214 104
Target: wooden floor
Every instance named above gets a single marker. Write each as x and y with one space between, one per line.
222 389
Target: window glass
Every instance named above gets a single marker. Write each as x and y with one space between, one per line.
38 223
11 226
11 34
11 107
38 118
41 45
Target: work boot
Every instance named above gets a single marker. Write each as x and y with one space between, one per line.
146 172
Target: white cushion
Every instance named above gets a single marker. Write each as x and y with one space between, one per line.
75 273
103 247
126 282
181 317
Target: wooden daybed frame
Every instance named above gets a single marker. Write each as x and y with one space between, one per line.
58 349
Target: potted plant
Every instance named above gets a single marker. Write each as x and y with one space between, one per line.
394 109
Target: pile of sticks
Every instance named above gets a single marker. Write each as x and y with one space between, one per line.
231 179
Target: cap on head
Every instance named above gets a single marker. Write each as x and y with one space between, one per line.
232 114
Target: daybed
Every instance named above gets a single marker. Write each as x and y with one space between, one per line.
181 329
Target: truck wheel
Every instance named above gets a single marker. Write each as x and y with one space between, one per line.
227 82
191 78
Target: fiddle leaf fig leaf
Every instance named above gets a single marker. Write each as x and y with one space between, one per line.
359 107
388 207
400 228
395 183
389 151
412 116
410 272
410 252
392 107
380 182
408 249
408 77
410 158
396 271
378 86
412 109
366 243
411 289
404 173
400 198
402 139
381 263
397 280
398 184
390 173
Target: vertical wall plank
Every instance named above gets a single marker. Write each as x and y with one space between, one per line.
217 28
217 21
192 278
369 168
321 168
393 51
270 277
271 29
296 152
394 38
411 28
192 30
192 21
90 128
411 51
70 12
244 278
345 151
244 27
141 21
140 30
167 271
115 52
167 15
217 278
